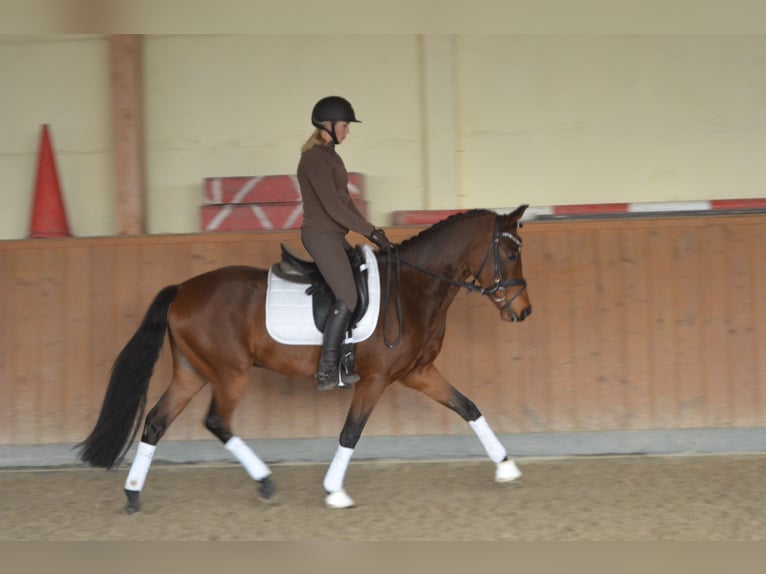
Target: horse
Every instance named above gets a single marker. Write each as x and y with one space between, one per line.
215 323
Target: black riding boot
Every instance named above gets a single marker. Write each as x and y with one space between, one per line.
329 374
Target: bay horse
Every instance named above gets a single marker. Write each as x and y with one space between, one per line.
215 323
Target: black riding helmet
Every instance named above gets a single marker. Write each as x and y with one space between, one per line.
332 109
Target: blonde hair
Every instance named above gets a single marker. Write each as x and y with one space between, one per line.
315 139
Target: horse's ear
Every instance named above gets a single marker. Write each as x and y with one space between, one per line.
519 212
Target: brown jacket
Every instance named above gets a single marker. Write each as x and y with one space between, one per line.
327 205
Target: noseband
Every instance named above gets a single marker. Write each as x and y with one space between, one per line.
496 291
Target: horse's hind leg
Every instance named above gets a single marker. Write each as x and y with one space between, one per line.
218 422
429 381
184 386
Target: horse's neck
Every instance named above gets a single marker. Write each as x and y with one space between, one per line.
438 266
442 253
427 290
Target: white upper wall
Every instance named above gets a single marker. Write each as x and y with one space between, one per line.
591 119
62 81
463 121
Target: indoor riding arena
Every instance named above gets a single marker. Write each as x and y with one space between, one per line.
631 399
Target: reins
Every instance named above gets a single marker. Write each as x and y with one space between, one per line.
387 296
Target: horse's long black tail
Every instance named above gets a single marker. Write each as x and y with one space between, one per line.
123 408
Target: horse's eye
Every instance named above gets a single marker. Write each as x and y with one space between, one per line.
512 256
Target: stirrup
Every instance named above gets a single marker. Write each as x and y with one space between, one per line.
347 364
348 379
335 379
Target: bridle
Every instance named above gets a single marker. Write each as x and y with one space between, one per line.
496 291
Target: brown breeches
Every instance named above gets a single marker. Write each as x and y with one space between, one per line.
328 250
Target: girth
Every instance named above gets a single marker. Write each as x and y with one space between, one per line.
293 268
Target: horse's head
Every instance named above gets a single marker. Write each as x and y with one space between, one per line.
498 268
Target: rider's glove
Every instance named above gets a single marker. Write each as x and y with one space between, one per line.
378 237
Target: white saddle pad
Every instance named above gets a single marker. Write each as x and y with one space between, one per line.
289 314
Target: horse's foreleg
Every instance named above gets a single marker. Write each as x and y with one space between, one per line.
429 381
183 387
365 398
506 470
218 422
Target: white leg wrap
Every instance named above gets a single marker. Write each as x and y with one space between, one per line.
254 466
333 480
495 450
140 467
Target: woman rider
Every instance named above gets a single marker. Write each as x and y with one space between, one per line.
328 215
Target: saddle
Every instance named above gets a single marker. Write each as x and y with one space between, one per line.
296 270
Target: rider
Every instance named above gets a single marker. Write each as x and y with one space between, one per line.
328 215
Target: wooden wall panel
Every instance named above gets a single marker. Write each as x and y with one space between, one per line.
77 378
741 330
758 288
529 356
714 286
29 323
51 301
690 266
7 329
584 314
637 324
553 307
636 350
661 332
610 291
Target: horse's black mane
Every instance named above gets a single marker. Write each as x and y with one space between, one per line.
447 220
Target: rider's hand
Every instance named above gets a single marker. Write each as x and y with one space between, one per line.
378 237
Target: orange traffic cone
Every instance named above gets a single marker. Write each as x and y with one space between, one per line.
48 214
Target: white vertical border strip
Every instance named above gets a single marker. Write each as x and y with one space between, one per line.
215 191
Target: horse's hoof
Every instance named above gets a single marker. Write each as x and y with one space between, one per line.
338 499
134 505
267 489
507 471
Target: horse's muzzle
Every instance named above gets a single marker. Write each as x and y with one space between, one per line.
526 312
509 314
